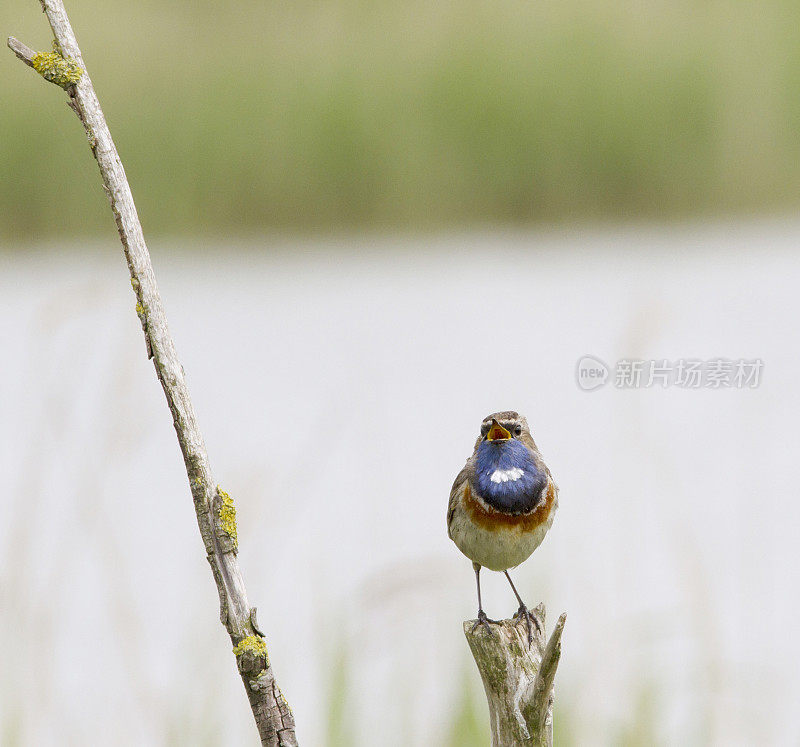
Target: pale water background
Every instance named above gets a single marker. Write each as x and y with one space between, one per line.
340 385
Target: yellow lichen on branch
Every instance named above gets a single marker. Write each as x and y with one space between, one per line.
56 68
227 517
253 644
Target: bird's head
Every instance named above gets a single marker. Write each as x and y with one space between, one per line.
501 427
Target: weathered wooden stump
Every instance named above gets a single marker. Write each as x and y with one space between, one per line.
518 678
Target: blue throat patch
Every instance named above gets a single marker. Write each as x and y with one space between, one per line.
522 487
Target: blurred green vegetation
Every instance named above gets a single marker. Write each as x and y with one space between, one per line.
340 728
468 723
305 116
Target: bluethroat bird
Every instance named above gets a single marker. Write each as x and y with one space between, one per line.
502 503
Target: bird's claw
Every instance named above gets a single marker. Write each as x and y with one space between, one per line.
530 621
483 620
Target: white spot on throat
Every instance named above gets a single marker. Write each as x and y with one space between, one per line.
504 475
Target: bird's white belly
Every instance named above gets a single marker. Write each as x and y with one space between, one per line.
499 548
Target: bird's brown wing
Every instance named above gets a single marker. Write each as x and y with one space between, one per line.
455 492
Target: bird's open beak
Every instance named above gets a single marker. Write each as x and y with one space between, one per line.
497 432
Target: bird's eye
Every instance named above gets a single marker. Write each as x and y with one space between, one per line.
518 430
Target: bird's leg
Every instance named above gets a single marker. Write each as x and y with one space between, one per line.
523 611
482 618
